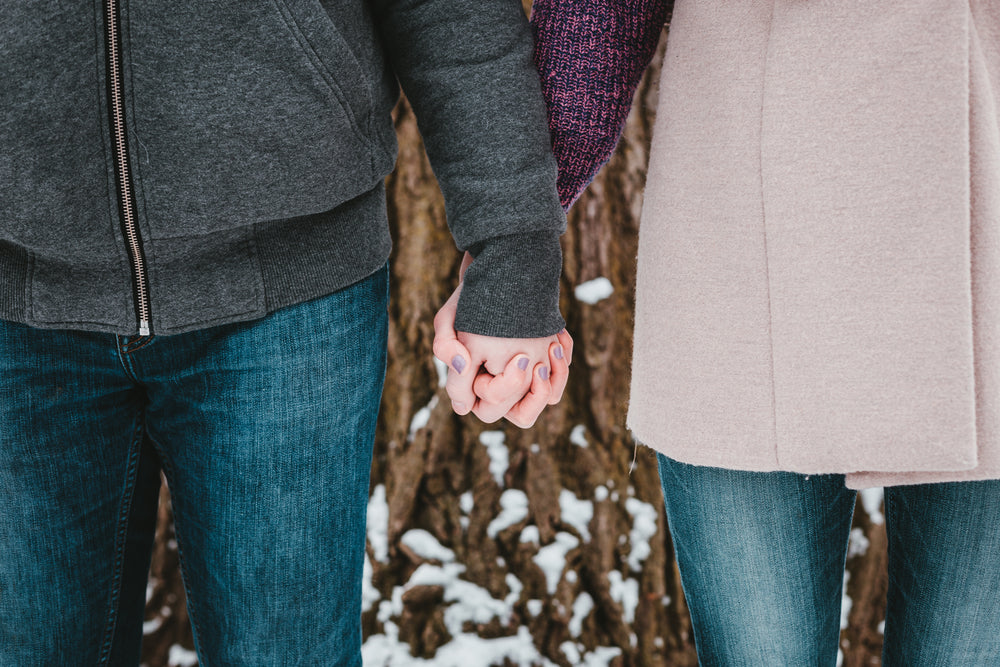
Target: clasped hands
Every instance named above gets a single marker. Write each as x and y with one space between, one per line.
500 377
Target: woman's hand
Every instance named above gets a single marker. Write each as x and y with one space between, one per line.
500 377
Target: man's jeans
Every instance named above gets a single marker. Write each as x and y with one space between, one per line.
264 430
762 555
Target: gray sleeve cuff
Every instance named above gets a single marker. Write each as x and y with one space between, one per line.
511 290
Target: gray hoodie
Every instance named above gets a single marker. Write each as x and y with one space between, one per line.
170 166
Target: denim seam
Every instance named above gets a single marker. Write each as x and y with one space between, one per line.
140 342
124 359
120 537
176 502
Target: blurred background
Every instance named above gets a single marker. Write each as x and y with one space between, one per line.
489 545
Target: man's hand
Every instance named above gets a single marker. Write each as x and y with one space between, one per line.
500 377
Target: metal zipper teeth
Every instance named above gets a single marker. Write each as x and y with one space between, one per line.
123 171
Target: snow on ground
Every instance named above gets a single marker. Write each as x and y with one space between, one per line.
871 499
582 607
513 510
422 417
643 529
467 603
496 448
181 657
576 512
442 371
369 594
552 558
378 524
530 534
594 290
426 546
578 436
625 592
858 544
845 603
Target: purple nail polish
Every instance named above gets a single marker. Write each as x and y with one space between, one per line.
558 353
543 372
458 363
522 363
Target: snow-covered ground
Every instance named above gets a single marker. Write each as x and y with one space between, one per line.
468 605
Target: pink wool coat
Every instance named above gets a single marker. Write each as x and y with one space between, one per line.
819 256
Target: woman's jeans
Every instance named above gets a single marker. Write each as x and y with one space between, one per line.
264 430
761 558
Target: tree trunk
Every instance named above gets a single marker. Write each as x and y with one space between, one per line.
555 544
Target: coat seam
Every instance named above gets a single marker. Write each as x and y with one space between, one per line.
763 218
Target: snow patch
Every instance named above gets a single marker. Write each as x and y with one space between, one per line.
643 529
582 607
442 372
625 592
369 594
181 657
578 436
496 449
601 656
151 626
514 509
466 502
552 558
530 534
378 524
426 546
845 603
468 603
871 500
572 653
858 543
594 290
535 607
422 417
575 512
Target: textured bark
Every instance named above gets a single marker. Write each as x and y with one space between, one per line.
426 468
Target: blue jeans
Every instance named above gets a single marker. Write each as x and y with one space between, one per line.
264 430
761 557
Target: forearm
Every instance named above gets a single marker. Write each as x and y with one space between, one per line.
591 55
467 71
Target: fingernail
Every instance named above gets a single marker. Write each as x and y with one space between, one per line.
522 363
458 405
458 363
543 372
558 353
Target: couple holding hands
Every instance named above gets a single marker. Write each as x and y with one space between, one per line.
193 256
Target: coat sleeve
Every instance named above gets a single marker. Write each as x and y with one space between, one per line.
466 68
591 55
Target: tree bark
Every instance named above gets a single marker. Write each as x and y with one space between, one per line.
436 473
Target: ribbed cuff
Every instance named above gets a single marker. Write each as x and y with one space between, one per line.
14 263
512 288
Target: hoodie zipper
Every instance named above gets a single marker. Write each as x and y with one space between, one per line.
123 170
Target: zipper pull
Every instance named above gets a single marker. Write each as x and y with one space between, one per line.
143 328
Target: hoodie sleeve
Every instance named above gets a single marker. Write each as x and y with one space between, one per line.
466 68
591 55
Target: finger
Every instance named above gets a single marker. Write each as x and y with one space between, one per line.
444 327
567 344
466 263
461 374
526 412
507 387
560 372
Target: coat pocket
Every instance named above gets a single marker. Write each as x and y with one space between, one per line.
243 111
